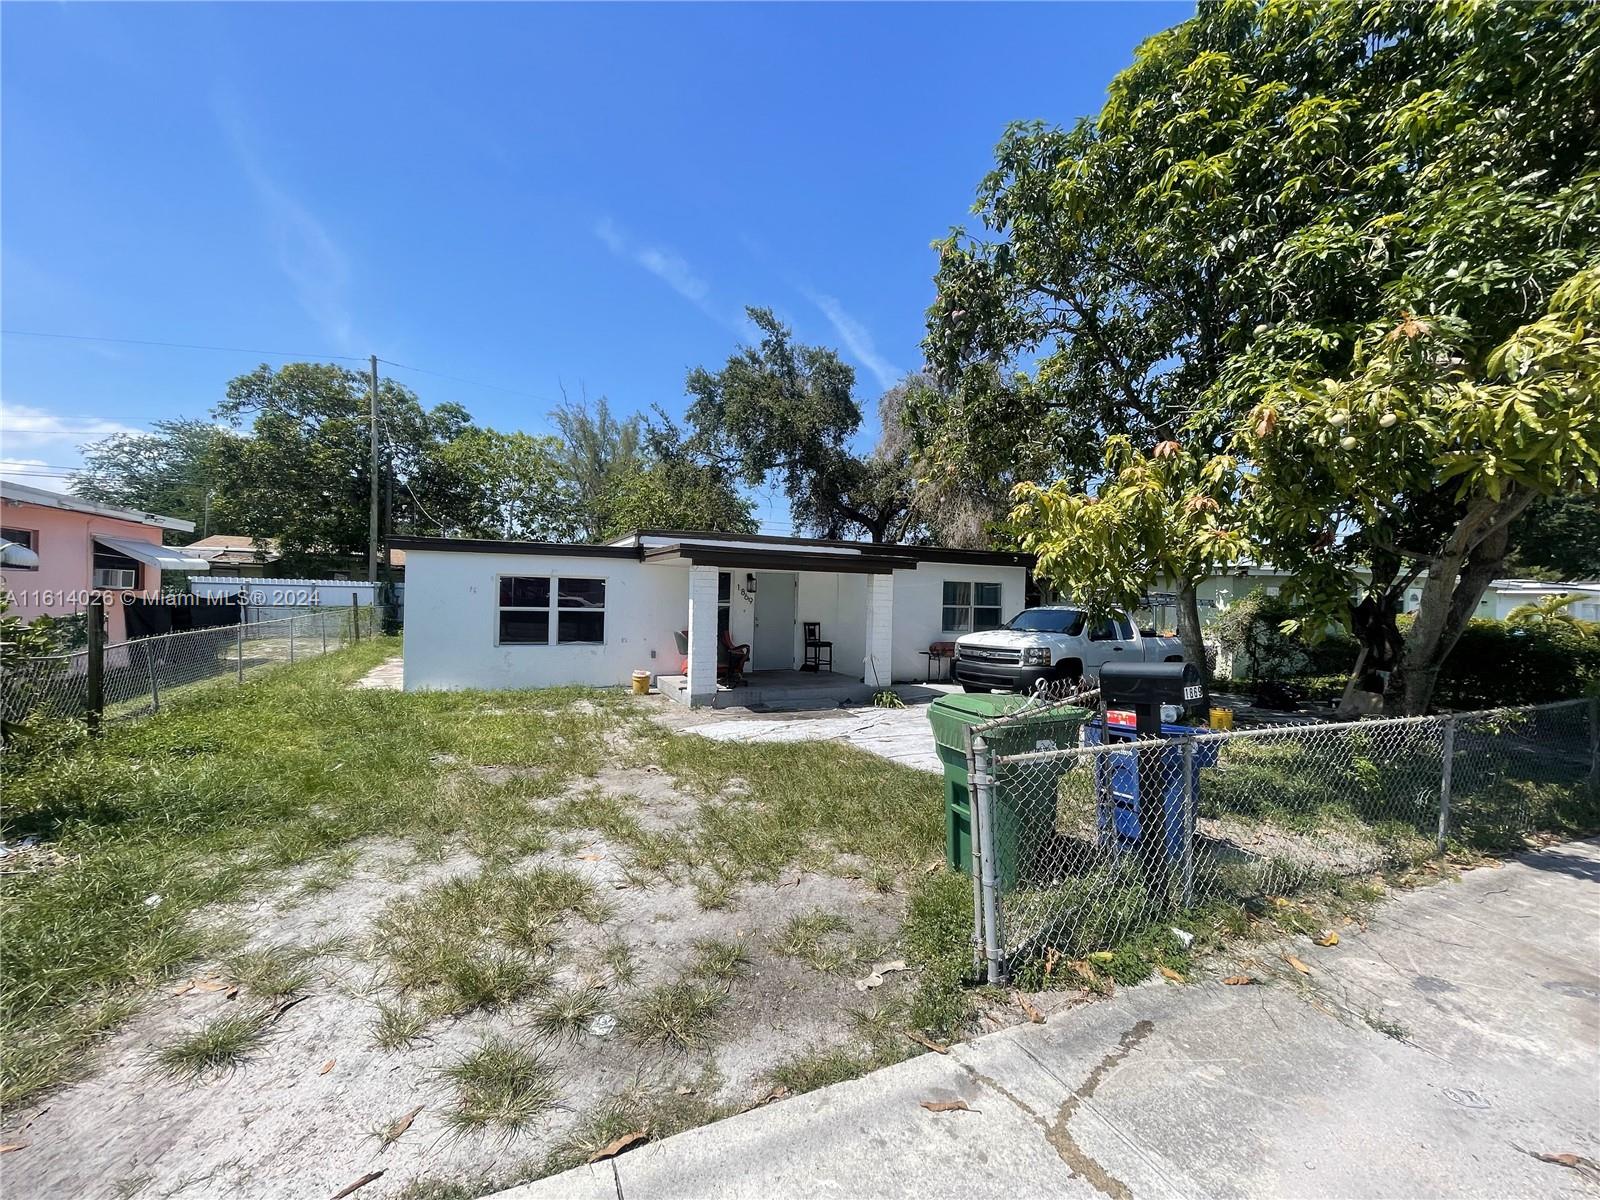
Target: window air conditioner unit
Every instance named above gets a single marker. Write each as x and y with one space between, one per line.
125 578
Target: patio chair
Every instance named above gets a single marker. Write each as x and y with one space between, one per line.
818 653
731 660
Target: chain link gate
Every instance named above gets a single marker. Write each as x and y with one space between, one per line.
1081 847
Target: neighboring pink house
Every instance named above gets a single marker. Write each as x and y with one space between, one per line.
85 547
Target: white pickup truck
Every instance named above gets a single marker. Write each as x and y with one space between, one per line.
1050 644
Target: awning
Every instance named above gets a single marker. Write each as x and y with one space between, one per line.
153 554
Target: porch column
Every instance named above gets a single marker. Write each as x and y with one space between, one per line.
877 669
702 634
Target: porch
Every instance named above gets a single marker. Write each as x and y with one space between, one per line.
827 609
774 689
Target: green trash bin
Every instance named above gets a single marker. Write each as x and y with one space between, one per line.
1024 799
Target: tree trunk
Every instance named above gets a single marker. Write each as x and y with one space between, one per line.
1456 581
1189 632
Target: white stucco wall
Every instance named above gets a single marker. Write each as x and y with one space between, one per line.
452 618
452 622
919 605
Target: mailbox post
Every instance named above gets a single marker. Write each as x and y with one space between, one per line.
1146 794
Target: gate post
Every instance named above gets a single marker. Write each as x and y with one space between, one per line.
94 681
1444 779
983 809
1189 800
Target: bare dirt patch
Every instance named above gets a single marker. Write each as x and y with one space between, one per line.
315 1100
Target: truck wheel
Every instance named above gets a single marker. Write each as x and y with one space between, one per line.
972 687
1071 670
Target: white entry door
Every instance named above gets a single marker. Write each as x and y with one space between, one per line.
773 647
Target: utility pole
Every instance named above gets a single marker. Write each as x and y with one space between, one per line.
372 507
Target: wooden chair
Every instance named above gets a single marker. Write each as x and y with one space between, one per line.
818 653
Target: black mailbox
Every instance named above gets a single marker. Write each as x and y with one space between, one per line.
1145 687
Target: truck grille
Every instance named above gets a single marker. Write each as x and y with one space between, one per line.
983 654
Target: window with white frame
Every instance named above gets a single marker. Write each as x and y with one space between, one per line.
969 607
535 608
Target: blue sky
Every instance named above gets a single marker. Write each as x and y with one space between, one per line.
523 196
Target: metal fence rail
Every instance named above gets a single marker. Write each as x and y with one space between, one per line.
137 677
1080 848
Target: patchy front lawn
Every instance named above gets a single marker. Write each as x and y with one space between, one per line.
286 935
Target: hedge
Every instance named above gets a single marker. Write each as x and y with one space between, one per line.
1495 663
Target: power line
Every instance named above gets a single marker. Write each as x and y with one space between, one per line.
493 387
84 337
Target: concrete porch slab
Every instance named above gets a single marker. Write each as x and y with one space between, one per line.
773 689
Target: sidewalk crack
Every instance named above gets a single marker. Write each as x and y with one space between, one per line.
1057 1132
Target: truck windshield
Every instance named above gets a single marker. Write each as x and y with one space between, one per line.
1048 620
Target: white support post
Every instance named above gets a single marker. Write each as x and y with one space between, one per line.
702 635
877 669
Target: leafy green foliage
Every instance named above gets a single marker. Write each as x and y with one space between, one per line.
787 408
1557 538
1253 631
1350 244
510 485
302 474
173 470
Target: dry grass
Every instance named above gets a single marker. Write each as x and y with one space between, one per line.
500 1085
681 1015
220 1045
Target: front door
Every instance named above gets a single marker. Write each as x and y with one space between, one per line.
773 648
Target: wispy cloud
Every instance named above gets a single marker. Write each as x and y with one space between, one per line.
666 265
674 271
857 340
308 255
42 446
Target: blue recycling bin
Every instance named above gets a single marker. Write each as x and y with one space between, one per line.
1127 817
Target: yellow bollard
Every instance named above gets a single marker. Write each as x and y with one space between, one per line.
1222 718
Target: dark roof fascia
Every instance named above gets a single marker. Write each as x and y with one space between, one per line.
485 546
882 549
703 554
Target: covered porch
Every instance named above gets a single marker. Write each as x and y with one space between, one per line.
818 622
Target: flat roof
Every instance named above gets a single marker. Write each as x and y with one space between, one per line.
893 549
731 549
27 494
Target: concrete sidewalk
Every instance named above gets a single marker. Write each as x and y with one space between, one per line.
1434 1054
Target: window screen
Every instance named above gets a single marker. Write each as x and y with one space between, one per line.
970 606
524 610
957 615
534 606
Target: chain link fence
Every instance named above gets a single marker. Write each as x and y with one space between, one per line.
138 677
1087 845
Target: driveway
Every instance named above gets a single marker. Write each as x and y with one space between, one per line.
1442 1051
901 735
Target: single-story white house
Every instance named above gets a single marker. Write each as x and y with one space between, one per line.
504 614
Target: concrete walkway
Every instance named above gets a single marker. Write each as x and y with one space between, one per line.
1435 1054
901 735
387 676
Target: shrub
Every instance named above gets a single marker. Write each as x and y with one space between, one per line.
1251 631
1496 663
